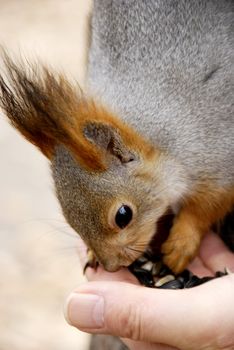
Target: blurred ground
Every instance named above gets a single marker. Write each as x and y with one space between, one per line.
38 260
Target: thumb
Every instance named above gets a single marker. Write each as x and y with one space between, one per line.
179 318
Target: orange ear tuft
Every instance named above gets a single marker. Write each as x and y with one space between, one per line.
48 111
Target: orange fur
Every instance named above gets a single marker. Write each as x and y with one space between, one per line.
87 153
204 207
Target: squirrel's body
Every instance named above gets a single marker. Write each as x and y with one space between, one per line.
167 68
162 138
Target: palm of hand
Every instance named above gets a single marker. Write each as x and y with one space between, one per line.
213 256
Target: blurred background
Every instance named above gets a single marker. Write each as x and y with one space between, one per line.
38 260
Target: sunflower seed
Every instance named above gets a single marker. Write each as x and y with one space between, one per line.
194 281
144 277
164 271
174 284
206 279
150 271
156 268
147 266
164 280
186 275
143 259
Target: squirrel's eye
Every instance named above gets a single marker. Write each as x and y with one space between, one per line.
123 216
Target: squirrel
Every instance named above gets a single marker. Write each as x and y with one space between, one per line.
154 129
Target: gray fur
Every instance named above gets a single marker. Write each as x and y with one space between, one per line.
167 68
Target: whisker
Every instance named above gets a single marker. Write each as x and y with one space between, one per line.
141 245
43 219
68 233
130 255
57 231
135 250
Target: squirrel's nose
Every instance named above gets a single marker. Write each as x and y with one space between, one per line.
111 265
114 264
111 268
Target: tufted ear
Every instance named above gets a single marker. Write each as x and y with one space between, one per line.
49 111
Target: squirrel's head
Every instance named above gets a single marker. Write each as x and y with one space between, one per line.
112 184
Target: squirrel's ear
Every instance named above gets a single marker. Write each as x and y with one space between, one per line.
49 111
109 140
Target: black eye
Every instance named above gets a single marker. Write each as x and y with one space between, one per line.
123 216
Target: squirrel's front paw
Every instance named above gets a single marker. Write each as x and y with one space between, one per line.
92 260
180 247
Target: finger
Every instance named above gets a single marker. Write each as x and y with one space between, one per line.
215 253
156 316
123 275
198 268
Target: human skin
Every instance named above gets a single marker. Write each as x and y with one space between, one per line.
198 318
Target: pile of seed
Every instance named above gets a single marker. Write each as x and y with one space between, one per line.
150 272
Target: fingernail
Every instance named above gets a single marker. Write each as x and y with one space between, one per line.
85 310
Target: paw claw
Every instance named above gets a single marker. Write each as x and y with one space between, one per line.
92 261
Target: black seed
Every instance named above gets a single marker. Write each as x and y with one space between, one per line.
156 268
175 284
137 263
181 279
164 271
185 280
142 259
206 279
186 275
220 274
144 277
194 281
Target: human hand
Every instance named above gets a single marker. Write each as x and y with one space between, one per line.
198 318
